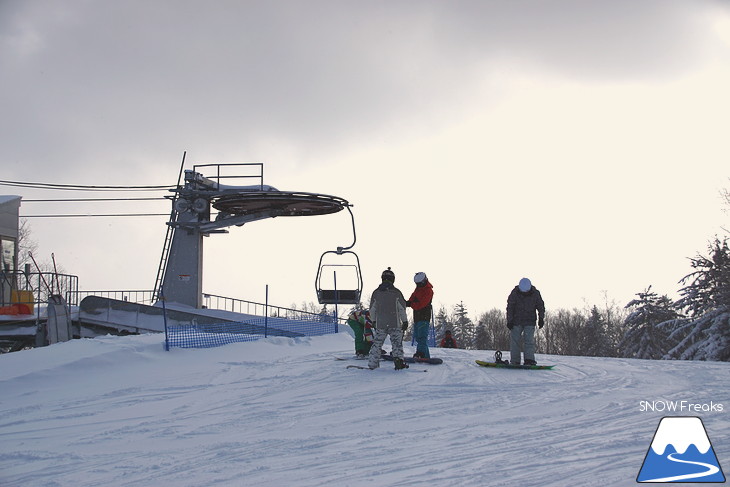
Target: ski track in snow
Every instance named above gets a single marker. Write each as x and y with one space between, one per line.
121 411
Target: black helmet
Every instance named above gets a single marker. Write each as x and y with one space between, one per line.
388 275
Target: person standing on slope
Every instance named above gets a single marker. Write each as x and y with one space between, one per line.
359 321
420 301
388 314
525 307
448 340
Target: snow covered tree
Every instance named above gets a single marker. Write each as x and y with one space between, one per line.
647 334
463 327
706 298
708 286
708 339
443 323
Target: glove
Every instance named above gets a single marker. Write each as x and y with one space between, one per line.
541 323
368 335
510 325
405 326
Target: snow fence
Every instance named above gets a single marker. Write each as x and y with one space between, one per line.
207 335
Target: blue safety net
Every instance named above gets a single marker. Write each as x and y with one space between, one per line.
207 335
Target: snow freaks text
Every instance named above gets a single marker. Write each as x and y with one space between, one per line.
663 406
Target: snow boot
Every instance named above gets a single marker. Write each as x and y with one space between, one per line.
530 362
400 364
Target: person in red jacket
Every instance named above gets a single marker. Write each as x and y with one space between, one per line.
448 341
420 301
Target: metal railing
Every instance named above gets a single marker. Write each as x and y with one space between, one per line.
141 296
212 301
20 287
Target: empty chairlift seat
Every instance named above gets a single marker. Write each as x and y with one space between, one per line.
339 279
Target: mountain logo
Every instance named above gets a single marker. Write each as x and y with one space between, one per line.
681 452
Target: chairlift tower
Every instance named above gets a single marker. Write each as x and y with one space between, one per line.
180 275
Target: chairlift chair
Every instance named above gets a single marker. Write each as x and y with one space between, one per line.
333 294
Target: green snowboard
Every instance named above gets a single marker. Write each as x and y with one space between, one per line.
507 366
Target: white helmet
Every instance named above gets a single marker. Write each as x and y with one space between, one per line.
525 285
419 277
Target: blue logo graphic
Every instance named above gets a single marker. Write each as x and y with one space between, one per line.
681 452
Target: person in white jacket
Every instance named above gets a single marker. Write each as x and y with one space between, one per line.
389 317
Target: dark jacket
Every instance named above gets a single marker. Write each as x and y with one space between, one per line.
524 309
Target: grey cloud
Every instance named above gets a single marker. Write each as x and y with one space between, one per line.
87 77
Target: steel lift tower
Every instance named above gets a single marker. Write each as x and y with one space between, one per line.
180 275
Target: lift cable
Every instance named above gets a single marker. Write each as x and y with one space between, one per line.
80 187
64 200
96 215
75 187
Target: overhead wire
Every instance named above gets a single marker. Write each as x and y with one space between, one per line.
99 188
64 200
98 215
82 187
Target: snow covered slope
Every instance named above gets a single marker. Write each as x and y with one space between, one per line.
282 412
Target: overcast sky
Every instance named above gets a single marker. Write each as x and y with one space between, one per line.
582 144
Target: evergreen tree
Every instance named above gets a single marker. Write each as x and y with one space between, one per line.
706 297
481 337
463 327
647 334
708 340
594 340
443 323
708 286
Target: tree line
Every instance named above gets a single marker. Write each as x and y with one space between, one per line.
593 331
651 326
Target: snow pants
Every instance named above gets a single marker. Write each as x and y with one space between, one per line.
396 340
522 338
361 346
420 334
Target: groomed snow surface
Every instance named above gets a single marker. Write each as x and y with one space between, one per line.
121 411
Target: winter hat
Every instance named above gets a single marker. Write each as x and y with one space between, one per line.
525 285
388 275
419 277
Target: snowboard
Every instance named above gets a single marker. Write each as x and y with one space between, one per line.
414 360
508 366
368 368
